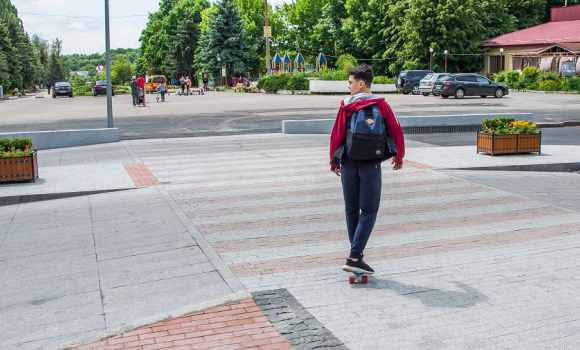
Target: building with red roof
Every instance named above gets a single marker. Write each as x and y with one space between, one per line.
546 46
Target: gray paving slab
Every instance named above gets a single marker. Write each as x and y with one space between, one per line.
79 265
560 189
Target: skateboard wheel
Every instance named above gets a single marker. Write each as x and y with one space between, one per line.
364 279
351 279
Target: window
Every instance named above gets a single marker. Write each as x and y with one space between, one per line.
482 80
494 64
428 77
158 80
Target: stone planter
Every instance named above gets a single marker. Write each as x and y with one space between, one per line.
509 144
19 169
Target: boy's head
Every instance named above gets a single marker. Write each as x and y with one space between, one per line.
360 79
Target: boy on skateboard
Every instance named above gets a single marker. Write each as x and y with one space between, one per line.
361 179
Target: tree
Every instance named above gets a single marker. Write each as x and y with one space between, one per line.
121 70
224 38
56 68
170 36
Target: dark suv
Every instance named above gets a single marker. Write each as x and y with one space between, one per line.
409 80
469 84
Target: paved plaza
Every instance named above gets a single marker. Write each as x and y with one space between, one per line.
229 113
236 242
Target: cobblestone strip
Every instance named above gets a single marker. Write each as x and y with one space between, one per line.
294 322
241 325
141 175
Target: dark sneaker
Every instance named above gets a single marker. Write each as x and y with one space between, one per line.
357 266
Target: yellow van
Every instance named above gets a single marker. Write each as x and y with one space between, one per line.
153 81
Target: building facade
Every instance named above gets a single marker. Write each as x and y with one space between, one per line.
546 46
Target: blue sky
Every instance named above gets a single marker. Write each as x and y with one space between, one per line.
87 35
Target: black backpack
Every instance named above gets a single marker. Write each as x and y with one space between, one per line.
367 137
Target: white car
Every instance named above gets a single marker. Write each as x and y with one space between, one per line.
426 85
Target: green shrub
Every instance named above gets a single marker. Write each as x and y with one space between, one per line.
534 86
500 77
523 83
531 73
273 83
550 85
82 89
512 78
571 84
383 80
507 125
543 76
298 82
346 62
334 75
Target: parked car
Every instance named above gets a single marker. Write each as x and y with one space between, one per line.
155 80
408 81
428 82
62 88
469 84
100 88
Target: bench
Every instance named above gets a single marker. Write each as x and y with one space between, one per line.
239 87
252 88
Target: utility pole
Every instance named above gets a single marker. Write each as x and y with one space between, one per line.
108 49
267 35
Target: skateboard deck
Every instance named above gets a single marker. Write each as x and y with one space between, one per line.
358 277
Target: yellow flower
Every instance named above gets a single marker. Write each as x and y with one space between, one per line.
533 125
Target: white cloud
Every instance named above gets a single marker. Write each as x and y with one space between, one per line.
78 26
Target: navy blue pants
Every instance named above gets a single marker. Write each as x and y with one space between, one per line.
361 187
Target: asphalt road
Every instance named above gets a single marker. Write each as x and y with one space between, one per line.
228 113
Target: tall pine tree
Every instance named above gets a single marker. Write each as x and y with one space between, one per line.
224 38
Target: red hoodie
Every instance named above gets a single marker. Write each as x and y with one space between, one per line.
338 135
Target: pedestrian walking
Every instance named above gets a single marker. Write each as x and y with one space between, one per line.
48 85
205 82
188 83
161 89
361 175
182 83
141 82
134 91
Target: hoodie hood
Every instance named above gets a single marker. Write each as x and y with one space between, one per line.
358 97
359 104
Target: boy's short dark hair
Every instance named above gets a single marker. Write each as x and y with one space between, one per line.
363 72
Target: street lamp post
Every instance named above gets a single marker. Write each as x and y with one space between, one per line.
501 59
430 58
267 43
108 63
220 68
445 52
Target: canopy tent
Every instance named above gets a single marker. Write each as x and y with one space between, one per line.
299 63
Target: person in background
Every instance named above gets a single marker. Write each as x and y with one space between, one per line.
161 89
182 83
205 82
188 83
141 82
134 91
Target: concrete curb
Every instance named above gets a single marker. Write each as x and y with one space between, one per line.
66 138
221 267
555 167
84 340
423 124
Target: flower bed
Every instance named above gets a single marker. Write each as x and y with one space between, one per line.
506 136
18 160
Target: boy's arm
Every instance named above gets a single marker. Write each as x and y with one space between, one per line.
396 131
337 135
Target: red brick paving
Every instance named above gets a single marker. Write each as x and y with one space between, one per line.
141 175
321 218
240 325
406 250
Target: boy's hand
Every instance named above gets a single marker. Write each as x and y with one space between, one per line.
337 171
397 166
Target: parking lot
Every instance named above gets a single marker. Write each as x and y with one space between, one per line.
229 113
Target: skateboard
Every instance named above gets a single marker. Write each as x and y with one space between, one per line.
358 277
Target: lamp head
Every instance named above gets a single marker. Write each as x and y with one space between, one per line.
430 49
501 49
446 52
